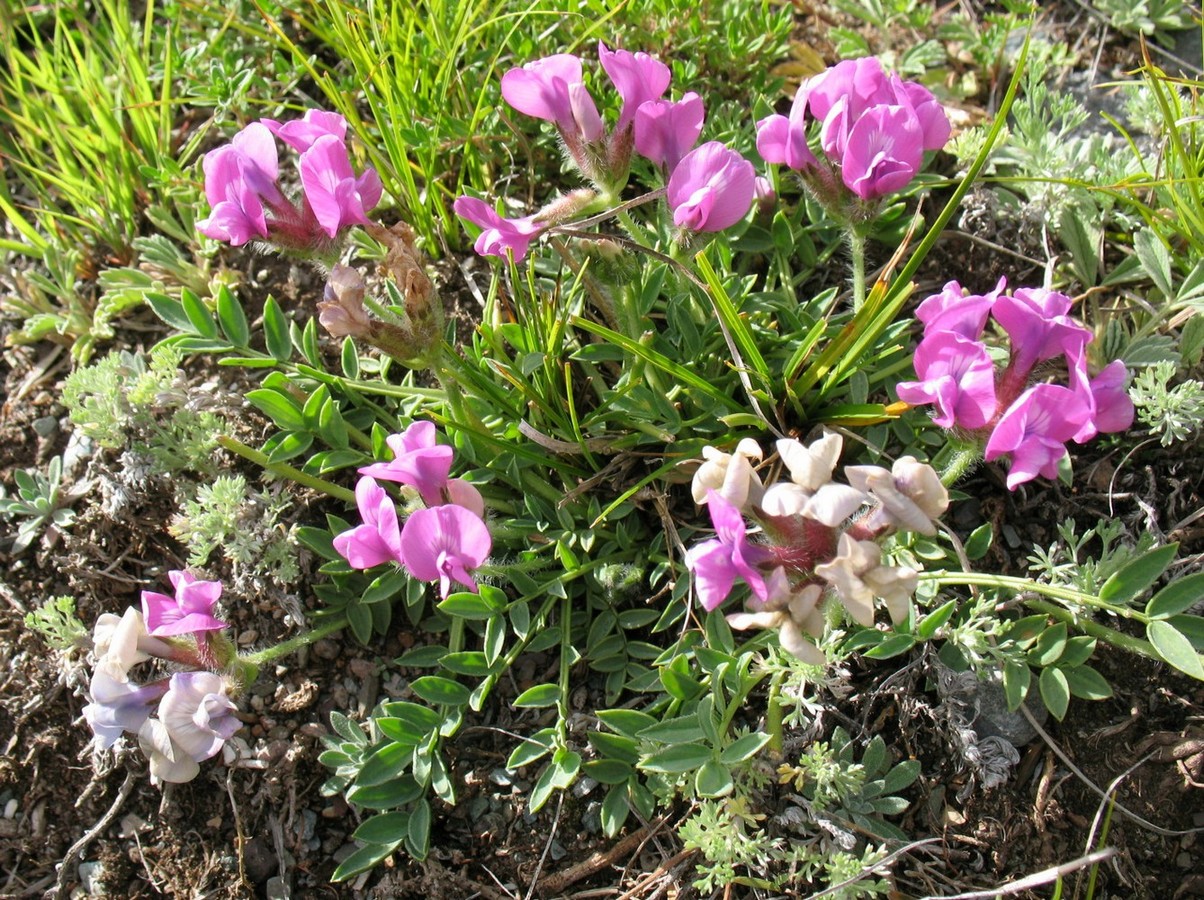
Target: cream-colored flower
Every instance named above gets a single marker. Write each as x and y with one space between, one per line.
731 475
853 559
168 761
910 496
811 466
895 585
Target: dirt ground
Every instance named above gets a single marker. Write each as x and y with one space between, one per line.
254 824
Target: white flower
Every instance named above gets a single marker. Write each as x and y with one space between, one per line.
168 762
730 475
911 495
118 643
853 559
811 466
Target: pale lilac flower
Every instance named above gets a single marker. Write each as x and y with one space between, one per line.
882 153
445 543
784 140
1039 328
378 539
118 706
168 761
958 375
189 612
638 77
337 197
417 461
198 713
730 475
462 493
300 134
341 310
500 236
711 188
121 642
665 131
1109 406
552 89
1034 431
955 310
858 577
717 563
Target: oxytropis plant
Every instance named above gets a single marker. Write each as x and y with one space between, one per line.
818 537
1012 409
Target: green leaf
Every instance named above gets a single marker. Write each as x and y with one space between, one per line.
979 541
1155 259
901 776
477 607
1055 691
678 730
418 718
418 841
1136 577
282 409
385 764
1049 646
362 860
170 311
286 445
893 645
679 758
467 662
359 617
614 810
384 828
276 331
540 695
232 319
535 747
928 626
1016 679
1087 683
389 795
743 748
443 691
1176 597
1078 650
385 587
198 314
608 771
1192 628
714 780
683 687
1175 648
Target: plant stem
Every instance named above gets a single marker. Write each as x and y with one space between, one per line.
962 458
1095 629
285 471
293 644
773 713
857 252
1026 585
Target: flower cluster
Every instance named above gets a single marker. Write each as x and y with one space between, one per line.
818 537
247 201
873 131
443 540
708 188
195 709
1012 410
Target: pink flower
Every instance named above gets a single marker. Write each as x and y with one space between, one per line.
665 131
378 539
300 134
934 123
956 374
841 95
198 714
500 235
417 461
637 77
337 197
882 153
552 89
711 188
784 140
189 612
955 310
239 176
718 562
444 543
1034 431
1107 401
1037 325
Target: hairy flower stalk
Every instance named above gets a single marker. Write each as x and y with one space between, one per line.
817 537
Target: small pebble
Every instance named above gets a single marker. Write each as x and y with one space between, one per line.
583 786
10 808
326 649
277 889
91 878
249 636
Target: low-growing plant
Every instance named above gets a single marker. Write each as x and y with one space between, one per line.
40 504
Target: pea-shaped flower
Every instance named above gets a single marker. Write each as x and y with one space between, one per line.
711 188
